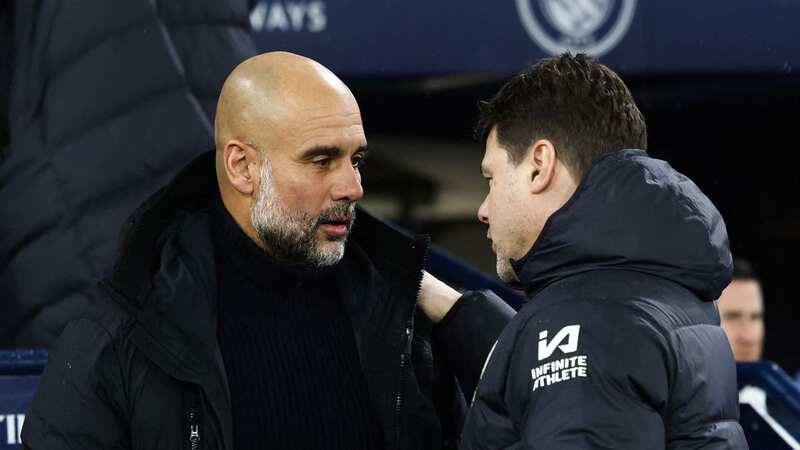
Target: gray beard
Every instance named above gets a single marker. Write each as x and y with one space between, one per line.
290 237
505 271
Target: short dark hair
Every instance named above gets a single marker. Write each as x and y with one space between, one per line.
743 270
580 105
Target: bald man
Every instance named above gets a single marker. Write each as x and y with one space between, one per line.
247 309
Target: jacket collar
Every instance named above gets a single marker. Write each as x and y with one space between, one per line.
636 213
167 252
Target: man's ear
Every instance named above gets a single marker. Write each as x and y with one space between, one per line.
541 164
240 162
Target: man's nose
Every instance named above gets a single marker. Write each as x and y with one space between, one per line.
748 335
483 211
348 185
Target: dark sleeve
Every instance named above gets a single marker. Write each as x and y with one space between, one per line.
467 333
589 377
80 400
6 65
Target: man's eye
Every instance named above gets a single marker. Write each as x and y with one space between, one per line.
359 161
322 163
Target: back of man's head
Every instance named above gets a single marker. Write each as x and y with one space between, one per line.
581 106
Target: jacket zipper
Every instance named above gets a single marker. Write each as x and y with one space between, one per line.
421 246
399 398
193 422
194 431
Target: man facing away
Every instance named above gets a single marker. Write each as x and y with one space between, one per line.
248 310
621 258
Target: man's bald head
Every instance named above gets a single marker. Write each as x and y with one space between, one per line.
265 94
290 142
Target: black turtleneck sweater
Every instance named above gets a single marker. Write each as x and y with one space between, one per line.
289 352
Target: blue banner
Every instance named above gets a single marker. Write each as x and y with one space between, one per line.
415 37
16 393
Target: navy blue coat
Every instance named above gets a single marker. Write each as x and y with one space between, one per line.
100 103
619 346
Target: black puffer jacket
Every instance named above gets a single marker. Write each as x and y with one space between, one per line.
144 366
102 101
619 346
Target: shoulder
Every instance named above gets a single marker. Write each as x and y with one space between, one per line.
85 374
92 342
91 346
606 344
88 358
612 334
609 317
611 305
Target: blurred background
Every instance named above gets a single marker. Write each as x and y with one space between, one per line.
717 82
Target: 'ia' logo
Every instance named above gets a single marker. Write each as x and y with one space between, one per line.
568 334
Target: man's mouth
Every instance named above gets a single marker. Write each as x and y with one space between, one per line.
491 242
336 228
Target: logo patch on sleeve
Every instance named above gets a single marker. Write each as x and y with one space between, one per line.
569 333
549 373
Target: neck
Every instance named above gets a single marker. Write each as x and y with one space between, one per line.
240 213
564 186
244 253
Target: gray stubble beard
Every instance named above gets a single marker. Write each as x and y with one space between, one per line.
291 238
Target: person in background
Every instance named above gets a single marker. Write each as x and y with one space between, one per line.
101 102
741 312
